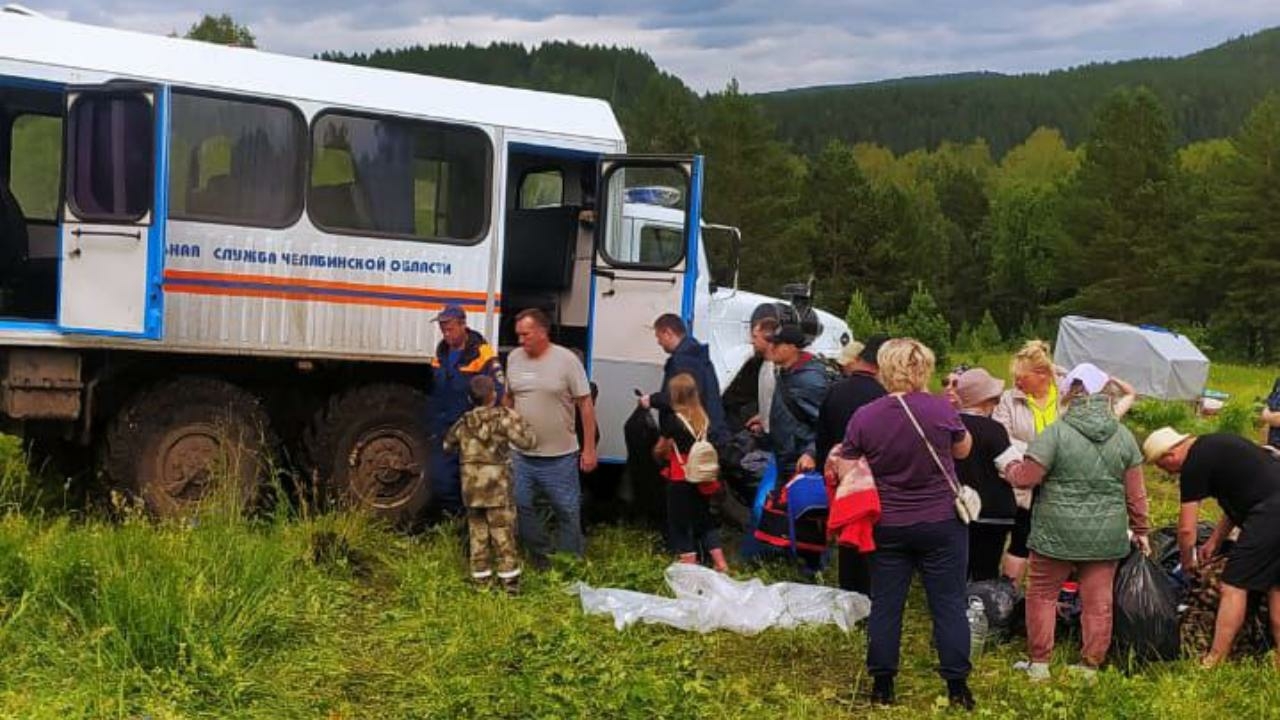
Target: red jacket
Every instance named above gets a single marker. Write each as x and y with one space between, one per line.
854 501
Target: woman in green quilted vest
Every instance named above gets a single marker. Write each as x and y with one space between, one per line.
1089 470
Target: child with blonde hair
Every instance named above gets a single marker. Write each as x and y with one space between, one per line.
689 523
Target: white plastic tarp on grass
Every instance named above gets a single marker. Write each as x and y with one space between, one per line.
1158 363
706 600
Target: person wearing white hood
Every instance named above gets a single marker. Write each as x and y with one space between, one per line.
1092 498
1026 410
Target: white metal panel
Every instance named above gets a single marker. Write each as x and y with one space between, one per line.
85 53
618 377
103 281
230 286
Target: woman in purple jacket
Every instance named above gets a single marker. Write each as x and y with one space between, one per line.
918 528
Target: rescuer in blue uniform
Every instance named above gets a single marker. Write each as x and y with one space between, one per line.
461 355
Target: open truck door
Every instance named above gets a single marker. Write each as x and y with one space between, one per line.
113 220
641 270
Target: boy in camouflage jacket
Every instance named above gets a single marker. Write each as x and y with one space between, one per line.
482 437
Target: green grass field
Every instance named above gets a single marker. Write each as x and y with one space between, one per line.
335 617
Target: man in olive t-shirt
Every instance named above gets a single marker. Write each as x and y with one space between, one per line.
1245 480
545 382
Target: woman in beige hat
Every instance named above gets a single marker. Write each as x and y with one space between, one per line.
976 393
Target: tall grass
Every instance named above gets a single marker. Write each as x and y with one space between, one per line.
336 617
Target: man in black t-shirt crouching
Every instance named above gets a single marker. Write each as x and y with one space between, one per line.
1245 480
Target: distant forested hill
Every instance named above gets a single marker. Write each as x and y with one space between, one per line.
1208 94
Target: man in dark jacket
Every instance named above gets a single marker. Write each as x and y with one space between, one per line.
797 398
856 389
688 356
461 355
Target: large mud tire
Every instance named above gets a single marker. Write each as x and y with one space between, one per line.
189 440
369 450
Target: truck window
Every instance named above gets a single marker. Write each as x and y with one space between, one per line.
542 188
111 145
35 164
660 246
236 161
399 178
659 194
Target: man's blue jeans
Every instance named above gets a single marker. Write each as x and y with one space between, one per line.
557 479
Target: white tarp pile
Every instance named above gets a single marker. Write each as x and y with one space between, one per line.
1158 363
706 600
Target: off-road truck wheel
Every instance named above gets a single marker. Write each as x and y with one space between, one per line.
369 449
187 440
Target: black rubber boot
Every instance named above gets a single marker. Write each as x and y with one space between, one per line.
882 690
959 694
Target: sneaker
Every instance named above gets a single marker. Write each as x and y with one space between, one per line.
1084 672
539 562
511 586
882 691
1036 672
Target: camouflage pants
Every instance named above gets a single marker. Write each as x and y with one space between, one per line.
493 542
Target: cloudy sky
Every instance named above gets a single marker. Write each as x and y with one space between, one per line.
765 44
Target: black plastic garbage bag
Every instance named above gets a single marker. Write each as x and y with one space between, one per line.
643 485
1164 544
1146 613
1004 604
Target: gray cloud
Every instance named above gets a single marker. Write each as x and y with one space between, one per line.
765 44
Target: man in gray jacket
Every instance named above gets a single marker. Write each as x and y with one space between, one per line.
793 416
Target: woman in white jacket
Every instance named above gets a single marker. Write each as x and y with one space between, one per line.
1025 410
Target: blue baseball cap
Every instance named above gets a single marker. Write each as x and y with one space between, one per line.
451 312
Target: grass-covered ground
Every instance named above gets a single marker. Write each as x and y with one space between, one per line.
334 617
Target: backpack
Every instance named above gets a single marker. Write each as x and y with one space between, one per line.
774 528
702 464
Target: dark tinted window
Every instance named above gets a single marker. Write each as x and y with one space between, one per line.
110 159
236 162
396 177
